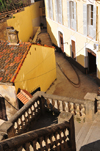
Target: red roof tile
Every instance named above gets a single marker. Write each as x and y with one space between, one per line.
11 60
24 96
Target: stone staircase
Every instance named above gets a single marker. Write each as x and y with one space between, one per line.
88 135
45 38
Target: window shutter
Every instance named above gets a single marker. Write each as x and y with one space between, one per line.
48 8
60 11
94 22
56 13
74 15
51 10
68 14
85 19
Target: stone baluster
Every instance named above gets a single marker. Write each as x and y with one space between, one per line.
56 105
56 141
31 147
60 106
34 145
63 105
62 141
77 109
72 109
48 103
47 144
26 118
19 124
30 114
23 121
43 144
53 104
38 145
16 128
33 113
69 106
50 100
98 107
27 146
66 106
20 149
36 106
65 139
40 142
51 144
83 110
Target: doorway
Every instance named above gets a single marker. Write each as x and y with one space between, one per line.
91 63
73 49
61 41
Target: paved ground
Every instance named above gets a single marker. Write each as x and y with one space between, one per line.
63 87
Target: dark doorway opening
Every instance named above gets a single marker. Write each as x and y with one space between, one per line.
92 63
38 89
61 41
3 109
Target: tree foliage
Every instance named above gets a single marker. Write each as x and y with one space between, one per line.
6 5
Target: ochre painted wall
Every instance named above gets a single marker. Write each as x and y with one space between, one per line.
38 69
25 21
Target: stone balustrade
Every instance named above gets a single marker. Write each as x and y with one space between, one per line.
22 119
30 112
60 137
80 108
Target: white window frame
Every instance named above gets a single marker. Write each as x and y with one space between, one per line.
50 9
90 20
71 14
58 11
89 28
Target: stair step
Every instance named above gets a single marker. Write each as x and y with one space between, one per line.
78 126
93 134
82 135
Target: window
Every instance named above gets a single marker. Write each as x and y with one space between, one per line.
71 14
58 11
50 9
89 20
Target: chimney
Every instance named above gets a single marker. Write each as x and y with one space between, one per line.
12 36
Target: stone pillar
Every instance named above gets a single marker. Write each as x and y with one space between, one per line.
90 99
98 104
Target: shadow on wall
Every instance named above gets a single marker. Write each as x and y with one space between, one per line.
94 146
53 39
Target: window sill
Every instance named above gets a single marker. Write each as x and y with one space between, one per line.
89 37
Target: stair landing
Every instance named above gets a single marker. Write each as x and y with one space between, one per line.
88 136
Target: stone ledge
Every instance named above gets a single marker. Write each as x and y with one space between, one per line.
90 96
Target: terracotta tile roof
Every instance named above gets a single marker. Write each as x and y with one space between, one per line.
11 59
24 96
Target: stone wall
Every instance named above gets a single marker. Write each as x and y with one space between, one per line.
3 34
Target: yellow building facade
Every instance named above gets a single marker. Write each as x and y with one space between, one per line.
74 26
38 69
25 21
